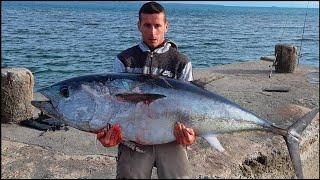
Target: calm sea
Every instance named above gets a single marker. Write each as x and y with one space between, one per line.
59 40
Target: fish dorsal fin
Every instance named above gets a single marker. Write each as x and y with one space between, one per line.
214 142
199 83
138 97
202 82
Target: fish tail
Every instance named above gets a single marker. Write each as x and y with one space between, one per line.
292 138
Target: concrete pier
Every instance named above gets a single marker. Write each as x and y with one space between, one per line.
76 154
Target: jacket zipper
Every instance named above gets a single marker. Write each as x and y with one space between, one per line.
151 57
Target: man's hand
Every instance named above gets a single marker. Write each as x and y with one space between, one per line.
185 136
110 136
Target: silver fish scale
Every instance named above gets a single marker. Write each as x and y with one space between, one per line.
94 105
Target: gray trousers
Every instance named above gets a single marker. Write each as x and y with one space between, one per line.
170 159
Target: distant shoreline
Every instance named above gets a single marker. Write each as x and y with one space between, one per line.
240 4
314 6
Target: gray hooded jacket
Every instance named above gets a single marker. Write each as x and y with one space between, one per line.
165 61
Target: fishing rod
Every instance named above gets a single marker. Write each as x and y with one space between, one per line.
300 48
276 53
304 25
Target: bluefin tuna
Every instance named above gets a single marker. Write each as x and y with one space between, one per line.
147 107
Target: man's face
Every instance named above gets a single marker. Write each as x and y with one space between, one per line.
153 28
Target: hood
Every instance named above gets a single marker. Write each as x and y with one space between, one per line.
168 43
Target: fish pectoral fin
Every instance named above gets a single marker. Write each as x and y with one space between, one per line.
214 142
139 97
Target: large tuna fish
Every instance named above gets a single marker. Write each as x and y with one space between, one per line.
147 107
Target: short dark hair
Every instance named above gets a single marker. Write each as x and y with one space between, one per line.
152 8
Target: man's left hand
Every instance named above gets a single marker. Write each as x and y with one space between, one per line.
184 135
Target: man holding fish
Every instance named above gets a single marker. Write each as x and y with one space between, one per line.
154 55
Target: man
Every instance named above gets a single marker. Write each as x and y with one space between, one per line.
158 56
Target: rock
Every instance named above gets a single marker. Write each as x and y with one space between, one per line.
16 94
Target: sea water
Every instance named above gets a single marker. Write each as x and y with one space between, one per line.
57 40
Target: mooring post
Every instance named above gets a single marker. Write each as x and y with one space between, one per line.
16 94
286 58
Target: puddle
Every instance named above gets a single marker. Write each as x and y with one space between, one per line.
313 77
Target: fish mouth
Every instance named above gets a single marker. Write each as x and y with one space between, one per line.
45 105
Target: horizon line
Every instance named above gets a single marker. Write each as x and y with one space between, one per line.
231 4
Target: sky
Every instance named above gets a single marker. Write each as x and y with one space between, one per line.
293 4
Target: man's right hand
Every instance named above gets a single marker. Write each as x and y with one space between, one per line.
110 136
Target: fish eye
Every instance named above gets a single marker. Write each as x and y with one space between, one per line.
64 91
